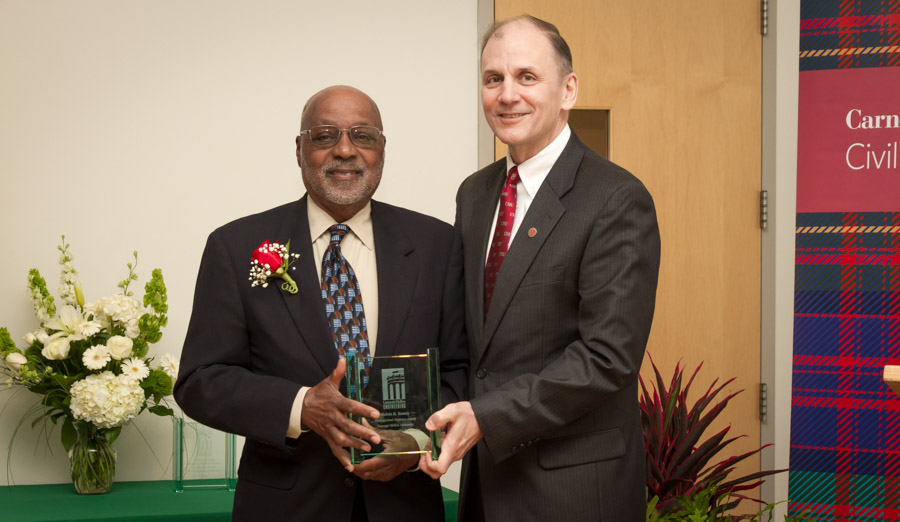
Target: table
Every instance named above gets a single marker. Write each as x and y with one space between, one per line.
130 502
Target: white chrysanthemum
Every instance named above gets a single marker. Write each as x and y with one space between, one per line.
118 309
95 357
169 364
106 400
135 368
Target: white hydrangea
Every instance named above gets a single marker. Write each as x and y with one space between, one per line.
121 309
106 400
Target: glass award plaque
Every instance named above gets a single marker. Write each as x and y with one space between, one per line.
203 457
406 389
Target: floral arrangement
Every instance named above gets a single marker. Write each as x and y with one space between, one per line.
89 361
272 260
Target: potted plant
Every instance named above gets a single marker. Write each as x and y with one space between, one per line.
682 483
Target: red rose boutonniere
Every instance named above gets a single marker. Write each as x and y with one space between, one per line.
272 260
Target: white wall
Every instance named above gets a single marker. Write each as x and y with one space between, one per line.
145 125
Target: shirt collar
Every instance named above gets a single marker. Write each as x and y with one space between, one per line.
534 170
360 224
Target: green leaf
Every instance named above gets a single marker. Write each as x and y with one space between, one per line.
161 410
113 433
7 345
68 435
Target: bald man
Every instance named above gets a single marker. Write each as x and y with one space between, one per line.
262 360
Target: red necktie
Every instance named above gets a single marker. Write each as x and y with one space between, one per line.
506 214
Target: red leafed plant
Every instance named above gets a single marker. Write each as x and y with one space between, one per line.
678 462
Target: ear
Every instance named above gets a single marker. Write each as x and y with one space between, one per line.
570 92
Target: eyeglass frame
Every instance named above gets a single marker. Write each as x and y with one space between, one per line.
341 132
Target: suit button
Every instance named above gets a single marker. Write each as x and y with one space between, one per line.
481 373
349 482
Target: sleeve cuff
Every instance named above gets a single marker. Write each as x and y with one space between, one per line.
295 428
422 440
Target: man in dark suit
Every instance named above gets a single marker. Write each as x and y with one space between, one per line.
560 291
262 360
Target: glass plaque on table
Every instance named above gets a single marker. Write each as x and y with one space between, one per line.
406 389
203 457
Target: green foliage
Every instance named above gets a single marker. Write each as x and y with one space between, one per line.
155 293
7 345
41 296
157 385
678 460
161 410
132 276
708 505
151 325
68 434
64 255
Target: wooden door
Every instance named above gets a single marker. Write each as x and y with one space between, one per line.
682 82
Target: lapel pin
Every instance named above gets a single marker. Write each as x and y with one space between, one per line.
532 232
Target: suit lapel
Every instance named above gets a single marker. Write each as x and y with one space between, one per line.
306 306
397 275
482 211
543 215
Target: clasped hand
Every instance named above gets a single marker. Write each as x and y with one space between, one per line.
461 433
325 412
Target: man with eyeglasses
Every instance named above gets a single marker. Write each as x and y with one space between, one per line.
263 360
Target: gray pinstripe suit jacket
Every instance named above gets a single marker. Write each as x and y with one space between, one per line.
554 365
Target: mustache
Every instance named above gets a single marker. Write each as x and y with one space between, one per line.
343 165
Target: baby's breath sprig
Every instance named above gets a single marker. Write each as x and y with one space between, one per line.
273 260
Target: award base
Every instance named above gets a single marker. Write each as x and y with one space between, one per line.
406 390
203 458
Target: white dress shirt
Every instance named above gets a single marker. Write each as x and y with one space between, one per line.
358 247
532 173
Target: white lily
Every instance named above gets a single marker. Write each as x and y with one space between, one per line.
68 320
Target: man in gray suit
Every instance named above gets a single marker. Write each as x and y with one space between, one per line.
560 292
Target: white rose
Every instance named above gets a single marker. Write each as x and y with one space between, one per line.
42 336
57 349
15 360
119 347
30 338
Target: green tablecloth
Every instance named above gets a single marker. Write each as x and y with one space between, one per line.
129 501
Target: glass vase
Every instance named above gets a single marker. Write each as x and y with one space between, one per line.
92 460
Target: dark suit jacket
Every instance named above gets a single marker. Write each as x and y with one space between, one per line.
249 350
555 363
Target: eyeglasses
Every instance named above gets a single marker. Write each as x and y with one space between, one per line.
325 136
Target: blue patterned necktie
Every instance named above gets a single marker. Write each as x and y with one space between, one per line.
343 302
